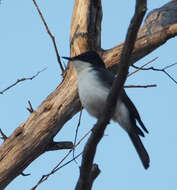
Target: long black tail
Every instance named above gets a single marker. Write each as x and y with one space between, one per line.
140 149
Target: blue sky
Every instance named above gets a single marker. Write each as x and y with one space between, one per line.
26 48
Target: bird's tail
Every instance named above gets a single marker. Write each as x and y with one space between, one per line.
140 149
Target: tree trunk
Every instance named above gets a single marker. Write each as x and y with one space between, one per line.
35 136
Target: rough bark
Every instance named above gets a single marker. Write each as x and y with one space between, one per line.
114 94
33 137
159 26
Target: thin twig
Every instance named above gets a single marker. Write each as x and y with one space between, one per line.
140 86
76 133
21 80
161 70
141 68
4 137
45 177
23 174
51 35
56 168
30 109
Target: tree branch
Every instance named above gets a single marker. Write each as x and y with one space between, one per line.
45 177
95 171
155 69
59 145
98 130
62 104
30 109
52 37
4 137
21 80
140 86
159 26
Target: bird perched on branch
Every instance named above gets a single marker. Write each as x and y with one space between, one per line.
94 84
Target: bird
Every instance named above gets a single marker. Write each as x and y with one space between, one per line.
94 83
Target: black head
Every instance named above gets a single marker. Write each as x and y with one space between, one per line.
89 56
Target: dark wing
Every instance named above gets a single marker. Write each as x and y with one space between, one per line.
132 109
106 76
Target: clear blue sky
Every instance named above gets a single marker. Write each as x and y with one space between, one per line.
26 48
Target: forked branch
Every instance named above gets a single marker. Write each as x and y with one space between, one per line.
98 130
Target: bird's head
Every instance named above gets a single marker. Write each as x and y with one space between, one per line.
85 60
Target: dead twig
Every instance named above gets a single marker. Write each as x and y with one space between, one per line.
140 86
30 109
23 174
57 167
161 70
21 80
51 35
45 177
141 68
4 137
77 128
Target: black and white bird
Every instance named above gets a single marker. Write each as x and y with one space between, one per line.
94 84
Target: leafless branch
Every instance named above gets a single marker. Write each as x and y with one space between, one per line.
141 68
30 109
4 137
95 171
57 167
98 130
23 174
45 177
77 128
59 146
51 35
21 80
162 70
140 86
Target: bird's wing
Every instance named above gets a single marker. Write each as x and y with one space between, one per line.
132 109
108 78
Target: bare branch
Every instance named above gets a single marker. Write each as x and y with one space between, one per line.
23 174
30 109
45 177
161 70
98 130
59 146
4 137
57 167
140 68
63 103
140 86
51 35
77 128
159 26
95 171
21 80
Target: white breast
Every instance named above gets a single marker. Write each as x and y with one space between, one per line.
91 92
93 96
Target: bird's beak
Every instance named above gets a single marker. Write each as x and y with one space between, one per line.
68 58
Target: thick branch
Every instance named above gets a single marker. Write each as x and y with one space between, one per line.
85 31
98 130
160 25
32 137
59 145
